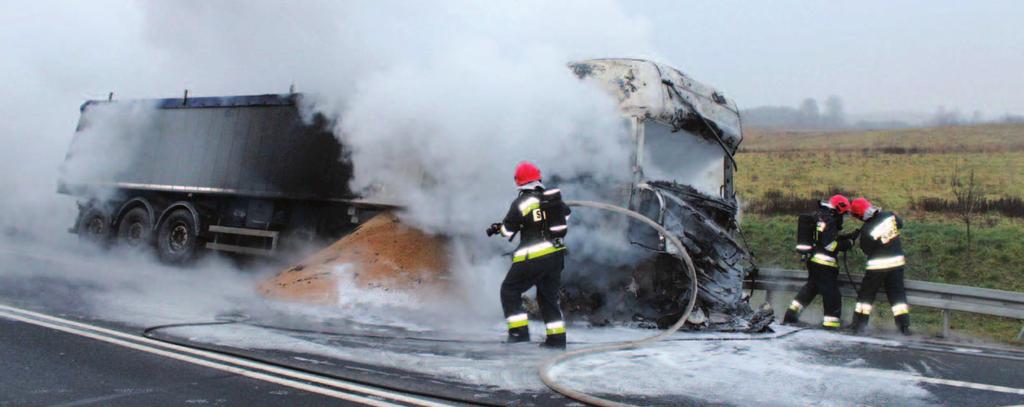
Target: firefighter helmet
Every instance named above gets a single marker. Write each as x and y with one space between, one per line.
526 173
840 203
860 207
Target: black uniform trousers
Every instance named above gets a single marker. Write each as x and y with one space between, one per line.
824 280
545 273
875 279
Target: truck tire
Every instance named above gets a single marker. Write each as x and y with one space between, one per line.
177 241
94 226
135 228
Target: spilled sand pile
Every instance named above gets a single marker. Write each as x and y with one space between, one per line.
382 254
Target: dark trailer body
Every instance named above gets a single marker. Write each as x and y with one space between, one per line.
235 173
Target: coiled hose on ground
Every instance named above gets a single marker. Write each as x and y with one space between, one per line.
681 253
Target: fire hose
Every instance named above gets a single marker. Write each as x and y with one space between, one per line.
545 368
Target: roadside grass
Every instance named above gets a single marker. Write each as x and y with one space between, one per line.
893 181
977 138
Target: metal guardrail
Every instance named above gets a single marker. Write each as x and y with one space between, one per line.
947 297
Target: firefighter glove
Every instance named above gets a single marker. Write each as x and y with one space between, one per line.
493 229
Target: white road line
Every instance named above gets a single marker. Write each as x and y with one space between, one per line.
33 318
201 362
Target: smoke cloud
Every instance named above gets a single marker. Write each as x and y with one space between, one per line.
438 102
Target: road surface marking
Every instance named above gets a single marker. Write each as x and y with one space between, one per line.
82 329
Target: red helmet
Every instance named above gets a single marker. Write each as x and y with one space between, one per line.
839 203
860 207
526 173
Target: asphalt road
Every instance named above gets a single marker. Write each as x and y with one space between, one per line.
42 366
46 366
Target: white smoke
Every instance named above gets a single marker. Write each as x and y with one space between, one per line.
463 89
437 102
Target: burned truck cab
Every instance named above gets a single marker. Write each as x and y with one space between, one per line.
684 137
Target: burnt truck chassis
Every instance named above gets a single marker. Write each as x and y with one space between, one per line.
654 292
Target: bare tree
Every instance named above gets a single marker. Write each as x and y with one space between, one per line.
835 115
810 114
968 195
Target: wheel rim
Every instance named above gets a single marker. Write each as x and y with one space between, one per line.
95 226
134 234
179 238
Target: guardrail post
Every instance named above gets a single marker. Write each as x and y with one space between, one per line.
1020 336
945 323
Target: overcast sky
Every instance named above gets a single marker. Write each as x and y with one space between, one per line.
877 55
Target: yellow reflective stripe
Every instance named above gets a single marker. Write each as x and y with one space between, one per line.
517 320
518 324
554 328
533 254
832 246
505 232
530 209
831 322
529 205
796 306
900 309
862 308
885 263
824 260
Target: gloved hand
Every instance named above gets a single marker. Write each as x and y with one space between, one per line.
493 229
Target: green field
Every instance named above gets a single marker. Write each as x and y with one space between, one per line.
895 169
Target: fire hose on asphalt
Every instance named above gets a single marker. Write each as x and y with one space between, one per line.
681 254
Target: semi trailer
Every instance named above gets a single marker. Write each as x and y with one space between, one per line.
243 174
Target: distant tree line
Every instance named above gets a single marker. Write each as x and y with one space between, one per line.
809 115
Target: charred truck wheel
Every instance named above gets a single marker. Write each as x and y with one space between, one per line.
177 239
135 228
94 226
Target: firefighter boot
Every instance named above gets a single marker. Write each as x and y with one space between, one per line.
518 334
859 322
792 316
555 341
903 322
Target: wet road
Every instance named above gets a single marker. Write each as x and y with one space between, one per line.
44 366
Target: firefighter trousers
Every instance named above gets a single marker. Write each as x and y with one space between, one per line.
545 273
822 280
892 279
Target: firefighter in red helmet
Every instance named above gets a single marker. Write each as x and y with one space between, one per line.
540 218
880 242
820 246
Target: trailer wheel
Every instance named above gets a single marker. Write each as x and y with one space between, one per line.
94 226
177 241
135 228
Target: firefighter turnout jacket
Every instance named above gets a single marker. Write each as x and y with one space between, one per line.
880 241
828 242
541 219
